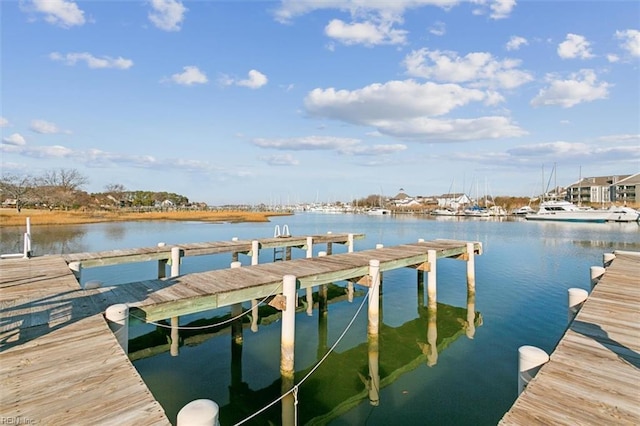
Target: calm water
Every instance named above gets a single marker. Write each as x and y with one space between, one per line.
521 298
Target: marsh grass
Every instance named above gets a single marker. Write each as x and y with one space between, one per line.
10 217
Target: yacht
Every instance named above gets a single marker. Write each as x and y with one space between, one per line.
565 211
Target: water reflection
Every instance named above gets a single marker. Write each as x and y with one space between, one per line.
342 381
45 240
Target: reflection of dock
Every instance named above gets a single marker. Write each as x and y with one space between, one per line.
60 364
593 375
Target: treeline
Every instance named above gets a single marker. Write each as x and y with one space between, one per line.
63 189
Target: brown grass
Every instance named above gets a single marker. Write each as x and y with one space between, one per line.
10 217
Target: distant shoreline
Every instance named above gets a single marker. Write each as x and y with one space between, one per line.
11 217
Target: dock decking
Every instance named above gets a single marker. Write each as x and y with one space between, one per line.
593 375
61 364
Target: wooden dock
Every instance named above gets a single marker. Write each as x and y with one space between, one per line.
61 364
593 376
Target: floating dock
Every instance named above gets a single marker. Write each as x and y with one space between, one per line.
593 375
61 364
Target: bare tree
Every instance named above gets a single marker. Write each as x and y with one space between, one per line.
59 187
16 187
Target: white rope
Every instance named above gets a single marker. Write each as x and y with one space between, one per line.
294 389
204 327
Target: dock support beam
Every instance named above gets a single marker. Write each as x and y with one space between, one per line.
255 252
201 412
596 273
577 297
431 277
373 323
309 290
530 359
175 261
287 341
118 319
471 268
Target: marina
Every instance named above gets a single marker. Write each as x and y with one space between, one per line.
526 307
49 321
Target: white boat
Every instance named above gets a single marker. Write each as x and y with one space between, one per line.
568 212
521 211
443 212
378 211
623 214
476 211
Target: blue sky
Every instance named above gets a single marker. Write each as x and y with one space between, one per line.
298 101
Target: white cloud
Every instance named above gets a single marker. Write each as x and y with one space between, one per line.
439 130
191 75
438 29
92 61
4 122
630 41
374 150
391 100
256 80
167 15
281 160
501 9
404 109
631 138
289 9
478 68
515 42
575 46
578 88
45 127
613 58
307 143
367 33
62 13
14 139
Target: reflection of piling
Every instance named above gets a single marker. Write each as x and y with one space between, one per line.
420 279
471 314
323 335
236 320
432 334
175 336
374 374
288 402
323 294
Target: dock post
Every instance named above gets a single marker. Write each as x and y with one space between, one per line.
118 319
234 255
431 277
471 267
175 336
349 243
380 246
530 359
236 324
27 240
350 283
607 258
255 251
309 290
287 342
201 412
175 261
76 268
374 298
162 264
323 294
329 245
596 273
577 296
